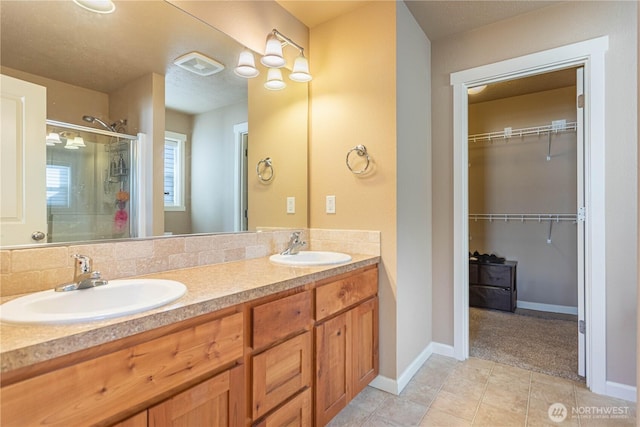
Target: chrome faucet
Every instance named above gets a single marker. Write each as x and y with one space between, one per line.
294 244
83 277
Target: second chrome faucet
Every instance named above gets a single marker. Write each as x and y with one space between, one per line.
294 244
83 276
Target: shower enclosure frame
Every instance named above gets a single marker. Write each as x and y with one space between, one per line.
133 159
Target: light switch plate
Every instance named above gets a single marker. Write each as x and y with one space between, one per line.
291 205
331 204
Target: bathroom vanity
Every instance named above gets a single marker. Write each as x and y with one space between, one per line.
269 346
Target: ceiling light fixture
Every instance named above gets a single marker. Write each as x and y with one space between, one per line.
274 60
97 6
476 90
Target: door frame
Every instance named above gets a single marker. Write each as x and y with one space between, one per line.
589 54
240 177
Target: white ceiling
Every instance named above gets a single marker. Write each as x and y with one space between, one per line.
60 41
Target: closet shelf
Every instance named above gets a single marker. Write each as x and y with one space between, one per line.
555 217
509 133
522 217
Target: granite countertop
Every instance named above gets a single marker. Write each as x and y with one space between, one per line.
209 288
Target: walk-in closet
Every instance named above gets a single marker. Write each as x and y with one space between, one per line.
524 239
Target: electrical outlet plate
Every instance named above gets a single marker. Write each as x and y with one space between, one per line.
331 204
291 205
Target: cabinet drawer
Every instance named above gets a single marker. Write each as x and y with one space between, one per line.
280 318
492 297
98 389
297 412
473 273
495 275
280 372
336 296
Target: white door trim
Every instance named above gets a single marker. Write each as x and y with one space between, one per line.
591 55
240 177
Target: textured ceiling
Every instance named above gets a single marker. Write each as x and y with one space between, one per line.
58 40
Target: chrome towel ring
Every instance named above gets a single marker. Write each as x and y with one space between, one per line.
361 151
267 169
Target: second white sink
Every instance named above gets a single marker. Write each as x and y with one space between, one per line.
117 298
310 258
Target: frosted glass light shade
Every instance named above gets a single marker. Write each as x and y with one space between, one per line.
246 65
97 6
300 71
78 142
476 90
274 80
273 53
70 145
53 139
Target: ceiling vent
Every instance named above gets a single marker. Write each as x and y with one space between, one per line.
199 64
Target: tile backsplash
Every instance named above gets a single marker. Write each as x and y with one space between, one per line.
36 269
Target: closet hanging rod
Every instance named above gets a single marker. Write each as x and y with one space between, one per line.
508 133
540 217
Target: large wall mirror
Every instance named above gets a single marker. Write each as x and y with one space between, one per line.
121 66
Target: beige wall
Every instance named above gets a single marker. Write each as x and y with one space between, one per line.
414 192
539 30
65 102
353 101
514 176
278 126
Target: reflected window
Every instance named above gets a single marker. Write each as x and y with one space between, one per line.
58 186
174 173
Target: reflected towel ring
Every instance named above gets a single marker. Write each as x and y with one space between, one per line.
267 166
361 151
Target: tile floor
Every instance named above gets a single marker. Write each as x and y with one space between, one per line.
445 392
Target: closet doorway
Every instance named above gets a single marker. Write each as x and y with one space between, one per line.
589 54
525 187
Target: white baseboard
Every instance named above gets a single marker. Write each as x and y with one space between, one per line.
621 391
564 309
396 386
442 349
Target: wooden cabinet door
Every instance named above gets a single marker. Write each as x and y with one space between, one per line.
365 344
218 401
138 420
333 367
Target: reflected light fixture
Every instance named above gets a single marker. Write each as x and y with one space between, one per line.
53 138
476 90
246 65
97 6
274 79
274 60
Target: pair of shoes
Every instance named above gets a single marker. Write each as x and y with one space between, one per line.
486 258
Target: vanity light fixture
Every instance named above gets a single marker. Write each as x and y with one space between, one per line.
73 143
97 6
53 138
274 60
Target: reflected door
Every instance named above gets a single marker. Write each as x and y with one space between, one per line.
23 208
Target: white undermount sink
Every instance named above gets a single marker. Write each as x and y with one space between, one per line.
311 258
117 298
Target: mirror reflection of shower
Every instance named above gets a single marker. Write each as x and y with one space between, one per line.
89 186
